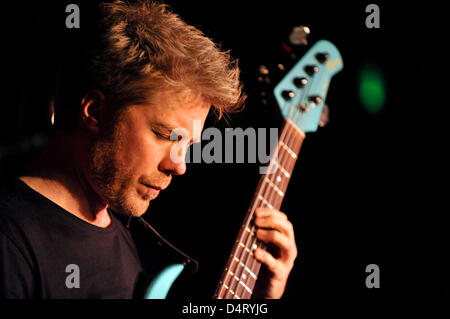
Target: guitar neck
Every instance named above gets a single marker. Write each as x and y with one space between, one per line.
241 271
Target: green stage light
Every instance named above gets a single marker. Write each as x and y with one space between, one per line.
372 92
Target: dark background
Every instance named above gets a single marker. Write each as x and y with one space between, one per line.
368 188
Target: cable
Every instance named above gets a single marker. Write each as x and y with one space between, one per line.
189 260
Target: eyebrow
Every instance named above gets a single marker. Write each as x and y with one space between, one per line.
169 129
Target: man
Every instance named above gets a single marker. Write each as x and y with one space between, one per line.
139 77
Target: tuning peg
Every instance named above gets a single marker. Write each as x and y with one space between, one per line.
322 57
311 69
264 80
281 67
299 35
325 116
300 82
263 70
314 100
287 95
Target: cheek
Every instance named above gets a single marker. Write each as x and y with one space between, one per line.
139 153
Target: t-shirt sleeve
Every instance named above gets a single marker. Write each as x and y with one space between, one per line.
16 274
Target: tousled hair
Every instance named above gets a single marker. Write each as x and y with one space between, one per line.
136 49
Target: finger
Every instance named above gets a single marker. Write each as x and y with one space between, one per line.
286 246
276 238
265 211
276 222
267 259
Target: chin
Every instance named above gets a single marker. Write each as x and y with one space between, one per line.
135 207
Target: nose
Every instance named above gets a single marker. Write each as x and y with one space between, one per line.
174 163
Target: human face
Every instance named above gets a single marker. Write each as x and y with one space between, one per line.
130 168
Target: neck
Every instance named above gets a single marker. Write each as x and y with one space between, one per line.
241 272
58 175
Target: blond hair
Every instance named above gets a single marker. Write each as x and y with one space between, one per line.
143 47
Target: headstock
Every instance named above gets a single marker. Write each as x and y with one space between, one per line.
302 91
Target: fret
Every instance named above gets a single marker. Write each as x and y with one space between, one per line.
275 187
239 252
288 163
251 273
265 202
288 149
281 168
245 287
244 276
245 248
244 237
247 278
242 266
241 272
234 280
242 288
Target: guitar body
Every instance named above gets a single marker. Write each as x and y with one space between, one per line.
160 286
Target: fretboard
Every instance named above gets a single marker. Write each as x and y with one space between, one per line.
242 269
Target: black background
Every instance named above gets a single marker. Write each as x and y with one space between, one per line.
368 188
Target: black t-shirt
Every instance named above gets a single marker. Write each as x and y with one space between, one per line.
47 252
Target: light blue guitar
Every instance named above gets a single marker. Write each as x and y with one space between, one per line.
300 95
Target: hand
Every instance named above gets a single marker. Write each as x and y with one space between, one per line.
274 229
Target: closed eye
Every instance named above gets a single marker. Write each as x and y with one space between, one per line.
161 135
173 135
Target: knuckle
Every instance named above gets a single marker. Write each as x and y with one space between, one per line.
290 225
274 236
283 215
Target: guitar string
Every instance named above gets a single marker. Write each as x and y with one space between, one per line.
286 160
253 239
246 226
267 188
255 203
249 256
295 148
259 243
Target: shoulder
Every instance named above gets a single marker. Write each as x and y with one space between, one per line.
11 198
17 207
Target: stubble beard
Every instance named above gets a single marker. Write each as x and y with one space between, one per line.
112 179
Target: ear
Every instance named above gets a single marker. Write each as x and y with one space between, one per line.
93 107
